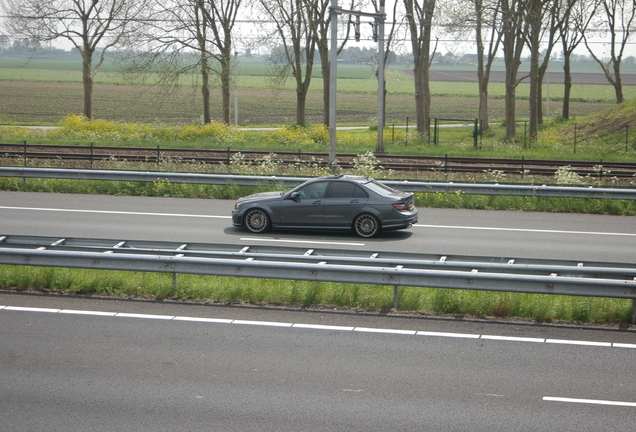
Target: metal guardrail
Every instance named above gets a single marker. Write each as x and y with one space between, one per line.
245 180
592 279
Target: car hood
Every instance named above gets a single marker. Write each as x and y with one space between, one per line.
260 197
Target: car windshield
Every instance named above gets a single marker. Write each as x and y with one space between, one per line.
380 188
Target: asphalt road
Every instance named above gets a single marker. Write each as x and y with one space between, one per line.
439 231
177 367
75 364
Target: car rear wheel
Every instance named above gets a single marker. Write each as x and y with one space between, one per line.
257 221
366 225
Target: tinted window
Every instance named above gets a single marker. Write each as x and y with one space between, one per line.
380 188
360 193
313 190
346 190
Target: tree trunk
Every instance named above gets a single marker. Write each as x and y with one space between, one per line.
226 83
618 84
326 77
567 86
301 101
510 103
205 88
87 79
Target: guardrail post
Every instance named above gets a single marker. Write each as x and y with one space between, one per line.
634 311
175 277
396 294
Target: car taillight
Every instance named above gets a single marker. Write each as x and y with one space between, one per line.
401 207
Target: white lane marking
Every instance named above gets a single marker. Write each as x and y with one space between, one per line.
624 345
31 309
523 230
267 239
146 316
513 339
85 312
362 244
262 323
314 326
571 342
323 327
448 335
588 401
116 212
206 320
379 330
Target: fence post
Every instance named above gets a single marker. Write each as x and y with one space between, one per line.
25 153
91 155
475 133
406 137
436 139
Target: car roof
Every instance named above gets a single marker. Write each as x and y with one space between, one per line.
345 177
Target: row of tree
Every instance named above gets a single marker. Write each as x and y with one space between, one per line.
173 37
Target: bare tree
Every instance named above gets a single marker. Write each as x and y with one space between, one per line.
389 42
544 20
322 23
515 29
221 18
487 19
295 29
92 26
175 44
617 18
419 19
480 19
575 22
189 37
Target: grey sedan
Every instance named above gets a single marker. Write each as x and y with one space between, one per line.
338 202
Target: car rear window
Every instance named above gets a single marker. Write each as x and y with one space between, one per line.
380 188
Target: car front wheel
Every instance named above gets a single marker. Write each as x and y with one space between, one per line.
257 221
366 225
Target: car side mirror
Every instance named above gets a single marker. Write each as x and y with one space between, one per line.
294 196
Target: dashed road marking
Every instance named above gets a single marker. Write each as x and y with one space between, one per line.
403 332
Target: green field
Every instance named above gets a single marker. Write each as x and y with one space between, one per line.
47 90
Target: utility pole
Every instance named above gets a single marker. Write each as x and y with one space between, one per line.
378 36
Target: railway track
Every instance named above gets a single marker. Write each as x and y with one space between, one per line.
398 163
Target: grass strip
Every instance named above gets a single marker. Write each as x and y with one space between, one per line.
229 290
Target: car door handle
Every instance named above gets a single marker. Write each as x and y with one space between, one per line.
355 201
317 202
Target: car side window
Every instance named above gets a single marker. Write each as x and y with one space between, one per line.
346 190
342 190
360 193
313 190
